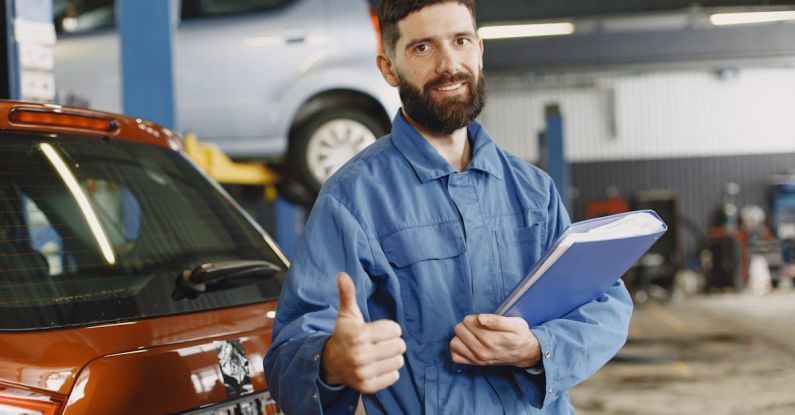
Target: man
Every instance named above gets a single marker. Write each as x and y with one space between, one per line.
429 229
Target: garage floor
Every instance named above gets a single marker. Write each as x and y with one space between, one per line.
718 354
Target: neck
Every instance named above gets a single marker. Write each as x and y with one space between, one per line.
454 147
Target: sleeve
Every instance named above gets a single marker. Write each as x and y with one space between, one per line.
577 345
333 241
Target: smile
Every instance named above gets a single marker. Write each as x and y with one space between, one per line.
451 87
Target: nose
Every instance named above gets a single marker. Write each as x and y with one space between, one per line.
447 61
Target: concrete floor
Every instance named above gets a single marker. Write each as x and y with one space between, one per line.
716 354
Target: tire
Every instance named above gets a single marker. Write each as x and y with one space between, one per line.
326 141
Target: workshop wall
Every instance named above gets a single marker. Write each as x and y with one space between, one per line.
688 131
628 116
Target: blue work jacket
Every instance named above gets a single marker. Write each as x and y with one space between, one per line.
427 245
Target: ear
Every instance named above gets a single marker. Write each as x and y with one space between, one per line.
387 69
480 42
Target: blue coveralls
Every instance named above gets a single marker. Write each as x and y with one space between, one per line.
427 245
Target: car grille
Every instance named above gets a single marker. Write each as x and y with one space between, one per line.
257 404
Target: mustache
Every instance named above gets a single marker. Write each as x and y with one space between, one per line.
443 79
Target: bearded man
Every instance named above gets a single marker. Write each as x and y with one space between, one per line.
427 231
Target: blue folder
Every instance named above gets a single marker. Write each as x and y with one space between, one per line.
582 274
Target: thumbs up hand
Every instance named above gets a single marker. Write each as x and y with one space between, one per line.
363 356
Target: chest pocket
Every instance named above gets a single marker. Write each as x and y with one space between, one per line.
428 262
519 250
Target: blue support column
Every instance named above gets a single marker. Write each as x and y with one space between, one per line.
557 167
10 89
146 31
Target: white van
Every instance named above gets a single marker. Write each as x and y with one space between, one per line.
291 81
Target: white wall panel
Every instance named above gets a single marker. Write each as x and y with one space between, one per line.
652 115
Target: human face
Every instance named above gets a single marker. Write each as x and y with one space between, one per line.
436 64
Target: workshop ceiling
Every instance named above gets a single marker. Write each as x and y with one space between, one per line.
512 10
616 33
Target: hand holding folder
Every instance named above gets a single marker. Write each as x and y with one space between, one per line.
582 264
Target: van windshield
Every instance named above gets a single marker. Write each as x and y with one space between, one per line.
97 231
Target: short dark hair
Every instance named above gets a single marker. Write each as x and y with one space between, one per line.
390 12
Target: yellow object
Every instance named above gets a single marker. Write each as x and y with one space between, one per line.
221 168
271 193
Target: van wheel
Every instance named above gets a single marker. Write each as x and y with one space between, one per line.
325 142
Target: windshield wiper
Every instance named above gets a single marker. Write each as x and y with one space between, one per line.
220 275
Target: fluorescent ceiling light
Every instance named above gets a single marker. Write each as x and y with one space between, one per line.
82 201
721 19
526 30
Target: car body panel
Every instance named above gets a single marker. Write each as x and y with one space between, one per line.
51 359
129 128
234 94
164 364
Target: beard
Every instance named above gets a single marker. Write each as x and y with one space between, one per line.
448 114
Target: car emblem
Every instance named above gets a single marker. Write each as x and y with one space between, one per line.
234 367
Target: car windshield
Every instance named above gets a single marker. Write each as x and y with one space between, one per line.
98 230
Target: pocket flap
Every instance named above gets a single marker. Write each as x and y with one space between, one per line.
421 243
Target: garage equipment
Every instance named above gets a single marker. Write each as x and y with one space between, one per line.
783 206
654 273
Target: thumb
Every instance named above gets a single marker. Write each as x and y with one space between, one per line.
348 305
488 321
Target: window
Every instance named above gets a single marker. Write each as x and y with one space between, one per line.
102 235
43 236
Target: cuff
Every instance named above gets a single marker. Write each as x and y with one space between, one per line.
335 399
328 393
535 370
323 387
538 383
550 389
330 388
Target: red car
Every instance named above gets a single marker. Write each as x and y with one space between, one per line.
130 283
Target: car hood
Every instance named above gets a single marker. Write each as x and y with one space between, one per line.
174 359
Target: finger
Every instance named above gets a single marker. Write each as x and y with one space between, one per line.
457 358
388 348
501 323
372 352
466 336
376 369
376 384
348 305
457 347
481 333
378 331
488 341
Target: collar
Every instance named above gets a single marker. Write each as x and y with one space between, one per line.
429 164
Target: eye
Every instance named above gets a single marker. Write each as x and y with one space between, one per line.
422 48
462 41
